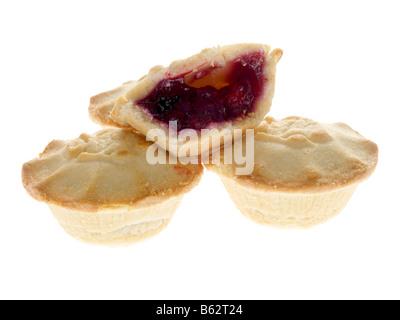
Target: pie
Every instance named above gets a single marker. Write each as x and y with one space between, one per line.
229 87
102 189
304 171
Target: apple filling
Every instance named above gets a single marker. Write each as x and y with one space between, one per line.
209 94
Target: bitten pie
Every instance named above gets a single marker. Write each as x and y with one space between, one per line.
304 171
229 87
102 189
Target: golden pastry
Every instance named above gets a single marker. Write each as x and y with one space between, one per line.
304 171
102 189
101 105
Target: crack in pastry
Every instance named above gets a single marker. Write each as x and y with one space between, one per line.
101 188
304 171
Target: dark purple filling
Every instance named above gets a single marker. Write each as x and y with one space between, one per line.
196 107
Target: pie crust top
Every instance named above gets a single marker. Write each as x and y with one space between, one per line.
103 171
299 154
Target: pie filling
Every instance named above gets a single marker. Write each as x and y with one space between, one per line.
209 94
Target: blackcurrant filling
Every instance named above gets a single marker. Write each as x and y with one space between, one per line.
209 94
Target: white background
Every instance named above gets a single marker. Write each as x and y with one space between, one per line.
340 63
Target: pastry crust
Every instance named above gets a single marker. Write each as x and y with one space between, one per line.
102 104
101 188
107 169
301 155
116 227
127 113
304 171
285 209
